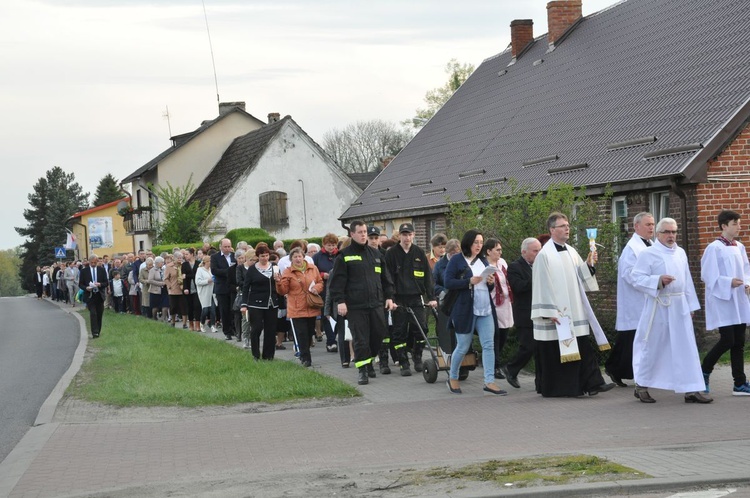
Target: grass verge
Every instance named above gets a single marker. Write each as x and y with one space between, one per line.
528 472
139 362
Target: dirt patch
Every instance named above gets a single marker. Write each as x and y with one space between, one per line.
74 410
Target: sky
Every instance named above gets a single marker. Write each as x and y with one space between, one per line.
86 84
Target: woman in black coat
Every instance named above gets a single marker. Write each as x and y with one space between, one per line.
261 302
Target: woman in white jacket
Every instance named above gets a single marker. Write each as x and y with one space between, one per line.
204 281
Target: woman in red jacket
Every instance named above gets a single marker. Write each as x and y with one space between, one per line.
297 281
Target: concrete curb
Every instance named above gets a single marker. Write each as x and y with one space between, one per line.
20 458
628 487
47 411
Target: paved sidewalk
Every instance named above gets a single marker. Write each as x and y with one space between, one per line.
401 423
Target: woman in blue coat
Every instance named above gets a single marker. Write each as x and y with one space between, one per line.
473 310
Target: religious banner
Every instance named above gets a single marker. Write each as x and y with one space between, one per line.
100 232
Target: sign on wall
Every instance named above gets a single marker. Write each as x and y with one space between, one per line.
100 232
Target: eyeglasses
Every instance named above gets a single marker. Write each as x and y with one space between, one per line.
669 232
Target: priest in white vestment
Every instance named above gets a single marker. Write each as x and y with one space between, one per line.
630 301
726 272
665 355
563 317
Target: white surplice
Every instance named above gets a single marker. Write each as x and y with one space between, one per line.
725 305
630 301
665 355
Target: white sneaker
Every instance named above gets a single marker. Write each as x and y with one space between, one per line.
213 329
203 328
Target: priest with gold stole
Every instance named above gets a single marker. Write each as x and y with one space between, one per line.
566 360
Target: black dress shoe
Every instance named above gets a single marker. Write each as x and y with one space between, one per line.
697 397
603 388
617 380
511 379
644 396
499 373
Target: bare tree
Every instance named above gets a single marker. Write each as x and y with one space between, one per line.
361 147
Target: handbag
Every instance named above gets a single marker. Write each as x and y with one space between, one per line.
237 302
314 300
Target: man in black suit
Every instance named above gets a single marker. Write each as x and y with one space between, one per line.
519 278
223 265
93 280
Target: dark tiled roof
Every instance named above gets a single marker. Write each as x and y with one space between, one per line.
240 157
363 179
179 141
677 70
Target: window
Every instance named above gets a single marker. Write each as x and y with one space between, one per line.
431 230
273 213
620 210
620 218
138 198
660 205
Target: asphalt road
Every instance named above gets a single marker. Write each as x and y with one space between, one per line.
37 343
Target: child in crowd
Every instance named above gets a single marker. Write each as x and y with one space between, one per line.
117 292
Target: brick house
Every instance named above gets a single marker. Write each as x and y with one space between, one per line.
650 98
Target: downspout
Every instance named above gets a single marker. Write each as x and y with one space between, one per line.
304 204
683 211
343 225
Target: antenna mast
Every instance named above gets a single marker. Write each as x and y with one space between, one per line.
169 124
210 45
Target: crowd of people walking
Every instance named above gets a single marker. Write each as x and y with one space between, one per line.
368 296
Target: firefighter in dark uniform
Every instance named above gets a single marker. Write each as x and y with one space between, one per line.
360 286
373 240
411 275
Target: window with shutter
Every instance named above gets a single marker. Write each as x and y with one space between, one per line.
273 212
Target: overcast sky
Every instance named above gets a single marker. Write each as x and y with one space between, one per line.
85 84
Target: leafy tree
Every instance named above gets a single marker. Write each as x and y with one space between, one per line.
181 220
55 198
362 146
435 99
10 280
107 191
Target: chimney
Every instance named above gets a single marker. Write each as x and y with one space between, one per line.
225 107
521 34
273 117
561 15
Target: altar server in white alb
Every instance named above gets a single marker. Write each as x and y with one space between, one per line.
665 355
726 272
630 301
